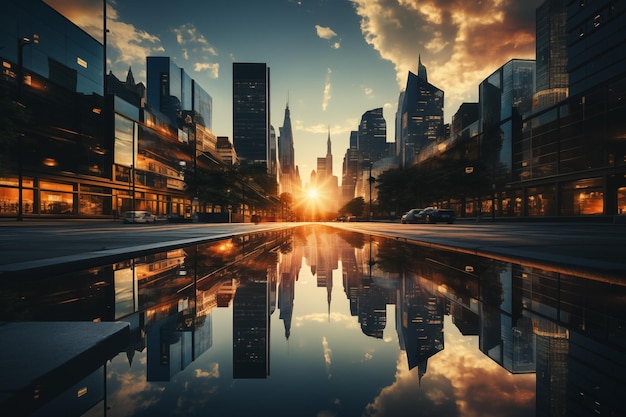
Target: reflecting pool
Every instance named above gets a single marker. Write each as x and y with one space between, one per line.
314 321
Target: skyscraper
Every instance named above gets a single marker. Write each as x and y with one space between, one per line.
251 113
505 96
372 136
286 154
596 43
420 115
551 53
170 90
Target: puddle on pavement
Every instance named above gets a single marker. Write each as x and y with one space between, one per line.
319 321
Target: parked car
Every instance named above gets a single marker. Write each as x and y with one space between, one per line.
139 216
410 216
434 215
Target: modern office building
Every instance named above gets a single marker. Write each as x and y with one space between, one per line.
551 53
251 113
504 97
172 91
596 51
571 160
286 154
92 147
372 137
419 117
352 163
57 155
562 158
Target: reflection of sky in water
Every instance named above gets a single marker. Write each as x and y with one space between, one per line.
326 367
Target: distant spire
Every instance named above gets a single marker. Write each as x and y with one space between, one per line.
421 69
130 79
328 147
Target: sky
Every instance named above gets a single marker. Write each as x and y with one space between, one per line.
330 60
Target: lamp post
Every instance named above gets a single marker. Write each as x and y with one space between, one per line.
21 43
371 180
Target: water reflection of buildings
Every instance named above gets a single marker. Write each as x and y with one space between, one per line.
568 330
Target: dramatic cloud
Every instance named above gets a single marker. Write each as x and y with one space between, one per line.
461 43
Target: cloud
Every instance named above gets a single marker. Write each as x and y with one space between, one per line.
325 32
460 381
328 34
212 69
327 96
327 356
461 43
213 372
128 44
188 34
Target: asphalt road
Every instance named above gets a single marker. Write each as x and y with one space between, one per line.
587 249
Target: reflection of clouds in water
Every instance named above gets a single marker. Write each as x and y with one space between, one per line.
213 372
327 358
406 398
134 393
335 318
460 381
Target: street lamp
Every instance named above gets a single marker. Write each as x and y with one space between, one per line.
371 180
21 43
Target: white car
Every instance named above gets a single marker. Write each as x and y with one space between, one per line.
139 216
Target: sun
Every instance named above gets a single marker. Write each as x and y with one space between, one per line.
313 194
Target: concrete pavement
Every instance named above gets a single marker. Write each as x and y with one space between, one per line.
583 248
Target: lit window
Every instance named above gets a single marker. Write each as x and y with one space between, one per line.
81 62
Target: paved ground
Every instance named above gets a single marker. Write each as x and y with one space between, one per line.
583 248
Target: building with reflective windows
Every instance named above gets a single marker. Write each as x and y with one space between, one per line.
57 157
73 151
372 135
419 117
544 153
251 113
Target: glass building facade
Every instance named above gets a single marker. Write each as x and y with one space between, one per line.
60 155
372 137
420 116
71 150
251 114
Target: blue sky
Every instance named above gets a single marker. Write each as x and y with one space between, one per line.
332 59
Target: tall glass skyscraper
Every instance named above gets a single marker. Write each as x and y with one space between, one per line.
551 54
420 115
251 112
286 154
504 97
372 137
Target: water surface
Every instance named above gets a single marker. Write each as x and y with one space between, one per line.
314 321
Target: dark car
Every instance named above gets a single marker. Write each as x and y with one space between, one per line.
410 216
434 215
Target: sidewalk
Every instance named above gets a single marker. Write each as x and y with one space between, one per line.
578 246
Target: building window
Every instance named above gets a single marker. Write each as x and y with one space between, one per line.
584 197
621 200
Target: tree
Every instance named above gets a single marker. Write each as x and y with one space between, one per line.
354 207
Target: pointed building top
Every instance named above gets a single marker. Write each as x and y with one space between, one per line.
130 79
421 69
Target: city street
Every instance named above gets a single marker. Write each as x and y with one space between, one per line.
587 249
